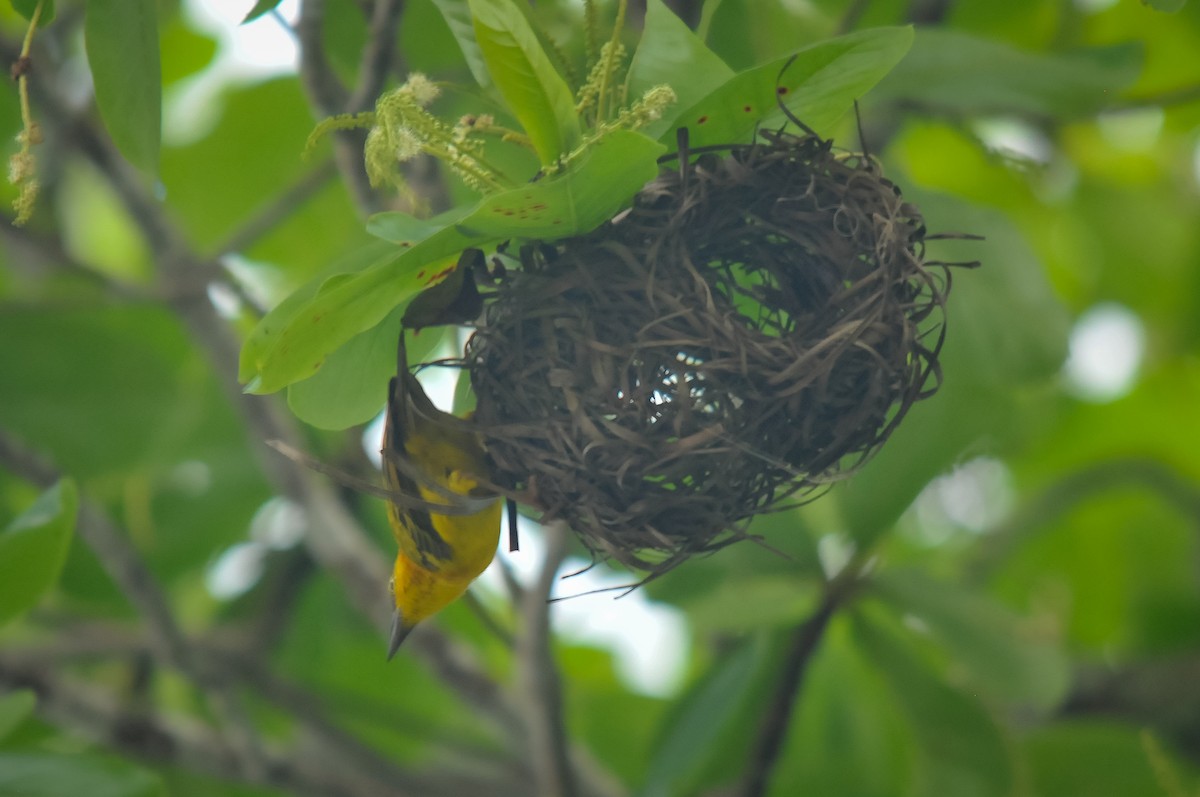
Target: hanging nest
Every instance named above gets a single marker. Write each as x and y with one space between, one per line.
753 328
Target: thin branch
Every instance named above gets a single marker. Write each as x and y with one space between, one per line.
540 685
320 736
330 97
378 55
773 731
326 91
169 739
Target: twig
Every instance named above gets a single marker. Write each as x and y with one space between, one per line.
488 620
540 683
331 98
807 636
182 742
377 56
324 744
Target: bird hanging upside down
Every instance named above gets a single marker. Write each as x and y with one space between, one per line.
450 535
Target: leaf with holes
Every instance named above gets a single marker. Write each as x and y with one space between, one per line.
818 84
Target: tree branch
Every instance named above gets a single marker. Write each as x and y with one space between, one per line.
161 738
320 739
806 638
378 55
330 97
540 686
168 643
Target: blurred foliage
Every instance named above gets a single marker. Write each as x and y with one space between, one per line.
1019 628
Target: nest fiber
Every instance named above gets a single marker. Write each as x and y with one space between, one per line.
755 326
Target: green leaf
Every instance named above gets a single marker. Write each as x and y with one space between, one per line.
955 72
26 8
15 708
291 344
532 87
458 19
818 86
121 37
1005 328
351 388
670 53
982 635
33 548
779 600
260 8
265 334
697 720
961 749
406 230
1167 6
1087 758
185 51
847 736
54 775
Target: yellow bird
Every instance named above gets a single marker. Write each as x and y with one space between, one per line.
449 536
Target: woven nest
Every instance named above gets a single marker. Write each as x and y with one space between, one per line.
750 330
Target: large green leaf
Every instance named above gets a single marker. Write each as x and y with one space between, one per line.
983 636
33 548
292 344
458 18
961 749
698 721
1082 759
670 53
1005 329
265 333
15 708
122 49
958 73
33 774
532 87
818 84
351 388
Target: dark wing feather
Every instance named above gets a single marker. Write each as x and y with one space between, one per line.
421 543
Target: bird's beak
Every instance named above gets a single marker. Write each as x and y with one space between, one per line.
400 631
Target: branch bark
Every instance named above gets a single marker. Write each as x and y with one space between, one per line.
540 685
806 638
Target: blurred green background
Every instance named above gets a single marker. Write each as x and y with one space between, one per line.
1027 619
